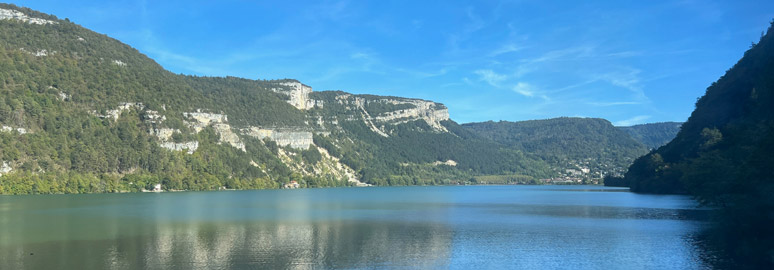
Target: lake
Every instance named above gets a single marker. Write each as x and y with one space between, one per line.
448 227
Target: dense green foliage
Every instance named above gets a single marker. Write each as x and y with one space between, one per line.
407 157
56 98
250 102
567 143
615 181
505 179
653 135
723 157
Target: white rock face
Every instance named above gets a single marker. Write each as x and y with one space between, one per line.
428 111
38 53
228 136
202 120
5 168
121 108
189 147
43 52
339 169
164 134
359 102
219 122
63 96
165 140
10 129
119 63
448 162
294 139
299 95
10 14
154 117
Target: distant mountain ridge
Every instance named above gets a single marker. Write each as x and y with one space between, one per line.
568 143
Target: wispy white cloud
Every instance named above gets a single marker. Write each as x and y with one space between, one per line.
425 74
503 81
524 89
565 54
628 78
509 48
624 54
573 86
614 103
474 24
632 121
360 55
491 77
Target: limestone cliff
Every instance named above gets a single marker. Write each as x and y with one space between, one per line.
283 137
9 14
200 120
430 112
298 94
379 113
294 138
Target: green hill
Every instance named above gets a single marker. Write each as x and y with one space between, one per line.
653 135
723 157
569 144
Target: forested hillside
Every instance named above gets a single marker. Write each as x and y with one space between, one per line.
574 144
723 155
653 135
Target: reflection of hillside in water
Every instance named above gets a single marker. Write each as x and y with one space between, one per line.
247 246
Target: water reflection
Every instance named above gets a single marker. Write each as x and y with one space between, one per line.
245 246
405 228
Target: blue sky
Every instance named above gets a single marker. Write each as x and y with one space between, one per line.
629 62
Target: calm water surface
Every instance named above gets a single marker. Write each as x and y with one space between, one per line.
470 227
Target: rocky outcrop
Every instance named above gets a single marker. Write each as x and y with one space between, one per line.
119 63
294 138
359 103
63 96
200 119
227 135
432 113
405 110
163 134
447 163
298 94
189 147
10 129
5 168
153 117
10 14
219 122
114 114
331 164
39 53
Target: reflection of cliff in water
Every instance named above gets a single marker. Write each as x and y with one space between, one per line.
247 246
